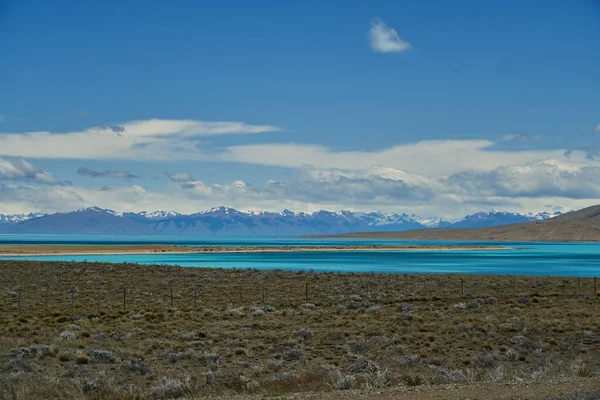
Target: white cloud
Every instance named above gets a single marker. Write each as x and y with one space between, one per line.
530 187
2 118
155 139
598 128
179 177
84 171
384 39
442 157
20 170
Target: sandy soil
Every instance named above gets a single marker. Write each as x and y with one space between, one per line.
75 250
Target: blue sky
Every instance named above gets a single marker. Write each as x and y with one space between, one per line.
444 90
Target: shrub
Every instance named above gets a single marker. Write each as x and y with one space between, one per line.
487 359
22 352
136 366
380 381
473 304
337 379
168 388
305 334
67 336
374 309
285 376
364 366
338 309
258 313
292 353
90 385
522 300
102 356
512 354
491 300
404 308
82 359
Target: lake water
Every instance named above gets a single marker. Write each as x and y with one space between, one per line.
542 259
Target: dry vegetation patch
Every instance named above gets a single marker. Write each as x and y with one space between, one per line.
108 331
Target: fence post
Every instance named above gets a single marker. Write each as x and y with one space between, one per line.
306 291
462 287
19 302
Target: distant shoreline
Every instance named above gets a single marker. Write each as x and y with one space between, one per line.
97 250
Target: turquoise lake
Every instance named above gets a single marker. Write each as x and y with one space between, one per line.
541 259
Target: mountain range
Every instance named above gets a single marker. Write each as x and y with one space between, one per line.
225 220
575 226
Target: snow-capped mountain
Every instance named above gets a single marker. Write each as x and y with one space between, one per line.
495 218
226 220
12 219
159 214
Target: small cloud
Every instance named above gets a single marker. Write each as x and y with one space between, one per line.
20 170
2 118
598 128
590 152
83 171
118 129
384 39
179 177
520 137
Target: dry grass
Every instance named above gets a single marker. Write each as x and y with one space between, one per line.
274 332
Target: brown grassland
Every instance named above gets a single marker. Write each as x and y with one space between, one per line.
123 331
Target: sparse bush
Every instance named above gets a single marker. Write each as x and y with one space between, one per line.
473 304
374 309
67 336
274 365
285 376
136 366
522 300
364 366
236 312
380 381
102 356
90 385
338 309
32 351
82 359
187 336
258 313
168 388
305 334
337 379
487 359
491 300
292 353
